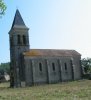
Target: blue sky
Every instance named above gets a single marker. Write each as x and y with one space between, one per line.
54 24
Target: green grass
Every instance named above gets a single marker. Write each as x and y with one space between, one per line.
77 90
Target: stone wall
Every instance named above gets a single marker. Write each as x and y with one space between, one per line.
41 70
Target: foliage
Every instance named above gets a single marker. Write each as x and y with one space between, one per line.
86 64
5 67
76 90
2 7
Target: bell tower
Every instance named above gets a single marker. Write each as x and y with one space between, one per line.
19 42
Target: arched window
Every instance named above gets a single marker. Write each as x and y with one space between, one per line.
18 39
53 66
40 66
24 39
65 66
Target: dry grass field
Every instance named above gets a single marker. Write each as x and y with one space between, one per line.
77 90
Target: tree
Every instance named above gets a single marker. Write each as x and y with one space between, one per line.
5 67
86 64
2 7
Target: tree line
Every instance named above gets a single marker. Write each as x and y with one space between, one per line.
5 68
86 65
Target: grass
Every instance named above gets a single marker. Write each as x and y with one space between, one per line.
76 90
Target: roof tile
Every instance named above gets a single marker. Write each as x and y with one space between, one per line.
51 52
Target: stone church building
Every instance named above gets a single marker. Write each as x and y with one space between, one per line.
39 66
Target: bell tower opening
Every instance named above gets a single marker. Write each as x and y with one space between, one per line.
24 40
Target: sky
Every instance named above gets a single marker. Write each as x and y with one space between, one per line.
53 24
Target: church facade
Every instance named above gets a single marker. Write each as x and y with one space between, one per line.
39 66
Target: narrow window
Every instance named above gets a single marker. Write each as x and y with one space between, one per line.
65 66
24 39
40 66
18 39
53 66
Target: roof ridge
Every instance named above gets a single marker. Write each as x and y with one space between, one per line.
56 49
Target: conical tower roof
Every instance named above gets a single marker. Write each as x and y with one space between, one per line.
18 21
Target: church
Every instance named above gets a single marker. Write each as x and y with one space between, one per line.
39 66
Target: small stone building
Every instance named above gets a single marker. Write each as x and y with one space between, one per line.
39 66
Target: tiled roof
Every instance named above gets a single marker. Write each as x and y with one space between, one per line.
18 21
51 52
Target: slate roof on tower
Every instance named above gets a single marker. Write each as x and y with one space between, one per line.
18 21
